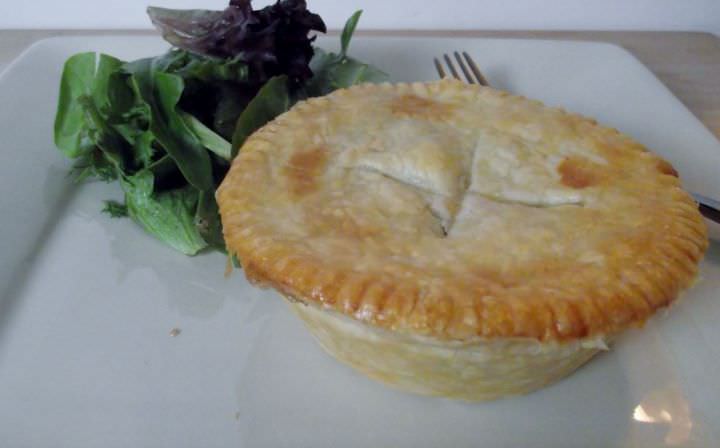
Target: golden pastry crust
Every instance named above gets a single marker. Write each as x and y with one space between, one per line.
460 212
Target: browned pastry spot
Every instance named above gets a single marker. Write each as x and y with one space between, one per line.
577 173
423 108
303 169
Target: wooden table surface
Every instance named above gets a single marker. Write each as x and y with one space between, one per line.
688 63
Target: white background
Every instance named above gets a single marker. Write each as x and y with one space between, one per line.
686 15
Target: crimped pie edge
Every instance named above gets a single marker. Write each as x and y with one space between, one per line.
397 305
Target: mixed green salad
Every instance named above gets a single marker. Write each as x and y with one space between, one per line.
166 127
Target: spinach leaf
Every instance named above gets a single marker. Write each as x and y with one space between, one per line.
163 167
104 84
161 92
334 71
130 117
207 68
70 131
348 31
167 215
115 209
232 100
103 136
207 220
208 138
83 125
272 100
351 71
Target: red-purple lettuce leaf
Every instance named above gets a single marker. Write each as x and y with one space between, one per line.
271 41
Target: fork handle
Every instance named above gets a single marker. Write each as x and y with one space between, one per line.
710 208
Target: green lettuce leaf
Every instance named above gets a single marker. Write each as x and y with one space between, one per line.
208 138
103 136
163 126
161 92
167 215
130 117
115 209
334 71
190 66
77 79
272 100
207 220
82 130
348 31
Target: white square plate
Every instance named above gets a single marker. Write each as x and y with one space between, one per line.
88 302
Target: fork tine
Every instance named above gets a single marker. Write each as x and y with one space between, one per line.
464 69
450 66
438 67
476 71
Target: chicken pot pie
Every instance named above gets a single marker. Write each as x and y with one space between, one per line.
455 240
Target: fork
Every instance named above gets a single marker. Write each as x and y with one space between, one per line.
709 208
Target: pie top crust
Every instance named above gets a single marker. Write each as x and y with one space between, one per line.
460 212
